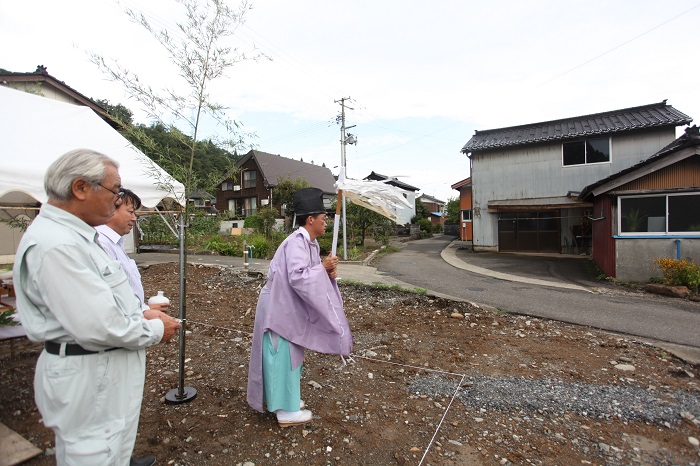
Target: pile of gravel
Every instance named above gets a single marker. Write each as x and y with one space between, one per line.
552 397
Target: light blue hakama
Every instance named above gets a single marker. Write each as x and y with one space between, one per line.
281 384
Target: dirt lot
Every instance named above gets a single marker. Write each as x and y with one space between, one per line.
433 382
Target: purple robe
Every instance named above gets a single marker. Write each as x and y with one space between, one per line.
302 305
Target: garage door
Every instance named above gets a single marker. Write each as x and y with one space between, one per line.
529 231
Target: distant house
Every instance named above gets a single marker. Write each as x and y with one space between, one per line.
260 173
42 83
647 211
436 207
525 180
202 200
465 208
410 196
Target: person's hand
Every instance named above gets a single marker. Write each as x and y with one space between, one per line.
162 307
330 263
169 327
154 314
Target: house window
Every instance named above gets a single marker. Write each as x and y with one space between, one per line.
227 186
586 152
250 206
660 214
466 215
249 179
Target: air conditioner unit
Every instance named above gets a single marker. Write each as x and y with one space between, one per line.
236 187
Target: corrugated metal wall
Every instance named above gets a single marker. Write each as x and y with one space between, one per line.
603 241
683 174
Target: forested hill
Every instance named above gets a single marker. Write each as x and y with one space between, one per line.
170 149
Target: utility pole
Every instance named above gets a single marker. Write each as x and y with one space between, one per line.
343 141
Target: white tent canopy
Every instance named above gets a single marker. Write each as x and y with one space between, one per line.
35 131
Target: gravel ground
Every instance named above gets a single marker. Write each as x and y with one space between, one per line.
531 391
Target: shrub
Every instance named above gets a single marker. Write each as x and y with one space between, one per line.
425 225
261 246
679 272
253 221
204 224
226 246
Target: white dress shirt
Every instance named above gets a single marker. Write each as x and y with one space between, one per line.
113 244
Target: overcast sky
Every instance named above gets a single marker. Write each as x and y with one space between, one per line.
422 76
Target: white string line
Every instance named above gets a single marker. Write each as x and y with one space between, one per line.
444 415
217 326
412 367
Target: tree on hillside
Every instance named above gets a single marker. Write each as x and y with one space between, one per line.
118 111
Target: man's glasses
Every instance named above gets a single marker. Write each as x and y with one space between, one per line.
119 193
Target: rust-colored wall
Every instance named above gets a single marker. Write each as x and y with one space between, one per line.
683 174
465 203
602 230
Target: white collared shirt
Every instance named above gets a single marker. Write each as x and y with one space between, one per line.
69 290
113 244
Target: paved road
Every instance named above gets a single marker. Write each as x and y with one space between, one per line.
589 302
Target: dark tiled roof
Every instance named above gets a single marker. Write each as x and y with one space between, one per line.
627 119
42 75
274 167
430 199
690 138
392 181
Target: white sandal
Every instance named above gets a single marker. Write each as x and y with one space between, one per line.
293 418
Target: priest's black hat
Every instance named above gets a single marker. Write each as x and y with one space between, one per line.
308 201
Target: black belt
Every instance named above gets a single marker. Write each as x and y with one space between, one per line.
72 349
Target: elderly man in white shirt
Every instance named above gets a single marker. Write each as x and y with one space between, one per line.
89 379
112 241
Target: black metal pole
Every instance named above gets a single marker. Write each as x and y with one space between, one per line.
182 394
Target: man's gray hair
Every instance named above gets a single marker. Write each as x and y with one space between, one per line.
85 164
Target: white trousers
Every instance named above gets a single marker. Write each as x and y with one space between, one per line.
92 403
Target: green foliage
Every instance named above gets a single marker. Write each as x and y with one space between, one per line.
285 190
325 242
203 224
6 319
452 211
354 254
171 149
268 218
361 221
20 222
437 228
155 231
421 212
120 113
226 245
425 225
253 221
261 246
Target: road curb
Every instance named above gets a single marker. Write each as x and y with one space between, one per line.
449 255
